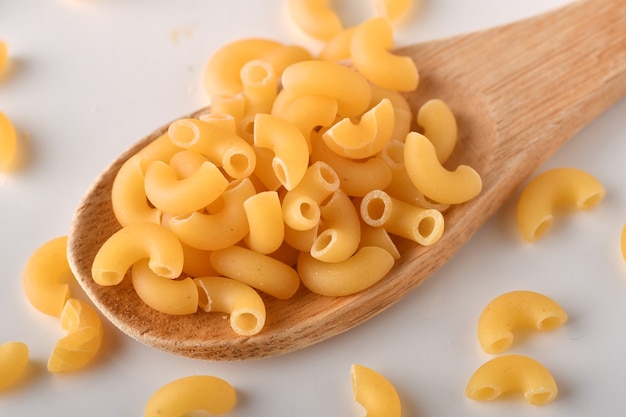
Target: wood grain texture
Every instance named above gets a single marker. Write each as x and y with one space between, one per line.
519 92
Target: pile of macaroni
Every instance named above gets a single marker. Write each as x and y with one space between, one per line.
302 172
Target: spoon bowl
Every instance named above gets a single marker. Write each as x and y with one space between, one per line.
518 91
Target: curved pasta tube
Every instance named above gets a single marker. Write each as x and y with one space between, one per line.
222 147
348 86
338 48
366 138
342 233
284 56
512 372
300 206
83 340
421 225
231 104
192 393
169 296
315 18
402 113
225 121
240 301
516 309
369 50
375 393
196 262
357 176
8 139
362 270
265 220
259 86
13 363
45 277
379 237
432 179
222 71
309 112
132 243
290 147
394 10
439 126
174 195
256 270
554 189
128 195
216 231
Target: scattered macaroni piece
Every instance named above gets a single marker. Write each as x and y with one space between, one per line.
512 372
82 342
558 188
516 309
375 393
394 10
439 126
315 18
13 363
45 277
4 54
192 393
8 140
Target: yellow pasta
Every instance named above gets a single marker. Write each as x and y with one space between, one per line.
222 71
402 113
259 86
374 392
232 104
512 373
132 243
240 301
424 226
379 237
369 50
432 179
13 363
302 240
169 193
394 10
366 138
225 227
558 188
196 263
310 112
291 151
439 126
166 295
623 242
357 176
513 310
8 140
83 340
225 121
350 88
315 18
4 54
46 277
342 230
256 270
284 56
300 206
338 48
192 393
362 270
222 147
265 220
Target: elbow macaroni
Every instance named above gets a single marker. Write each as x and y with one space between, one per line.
516 309
45 277
8 139
13 363
240 301
199 392
375 393
512 372
315 18
552 190
439 126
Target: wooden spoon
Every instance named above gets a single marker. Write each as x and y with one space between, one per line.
519 91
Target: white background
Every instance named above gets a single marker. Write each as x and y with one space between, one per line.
90 77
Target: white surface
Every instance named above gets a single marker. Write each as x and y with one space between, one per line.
90 77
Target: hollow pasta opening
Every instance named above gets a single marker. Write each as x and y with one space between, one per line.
484 393
238 162
324 240
245 323
591 201
542 228
163 271
376 209
185 133
308 211
426 227
110 276
539 398
550 323
500 345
